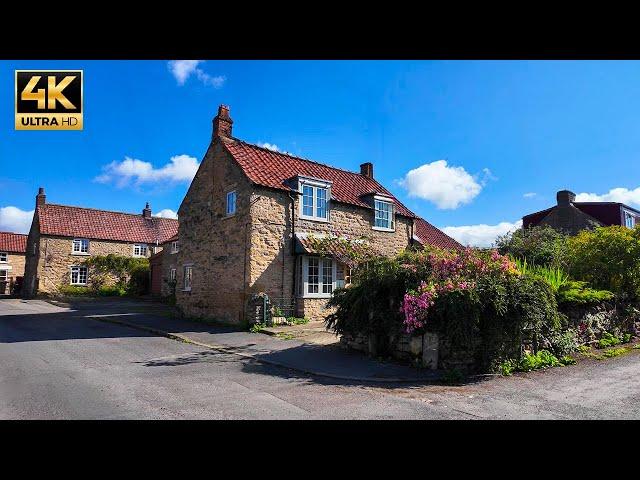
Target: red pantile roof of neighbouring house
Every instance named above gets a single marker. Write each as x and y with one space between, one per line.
273 169
427 233
13 242
82 222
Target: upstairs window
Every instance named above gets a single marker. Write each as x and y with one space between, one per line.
78 275
314 204
3 257
80 245
629 220
231 203
174 247
172 275
384 213
139 250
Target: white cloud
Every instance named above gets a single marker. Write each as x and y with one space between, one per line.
622 195
183 69
12 219
269 146
530 195
166 213
480 235
181 168
446 186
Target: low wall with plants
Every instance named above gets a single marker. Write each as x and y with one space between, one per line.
491 311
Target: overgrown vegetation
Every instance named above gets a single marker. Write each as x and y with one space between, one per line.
112 275
537 246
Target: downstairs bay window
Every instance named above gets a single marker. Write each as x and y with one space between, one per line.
318 277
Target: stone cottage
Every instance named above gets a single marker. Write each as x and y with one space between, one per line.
62 237
246 219
12 248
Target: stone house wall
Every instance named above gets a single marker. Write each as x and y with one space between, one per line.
54 258
17 262
272 260
217 246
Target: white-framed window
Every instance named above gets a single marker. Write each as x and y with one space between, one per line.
231 203
139 250
4 275
188 276
78 275
172 275
384 215
4 257
629 220
174 247
314 202
80 246
316 277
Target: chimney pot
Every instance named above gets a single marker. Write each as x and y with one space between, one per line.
146 212
565 198
366 169
222 123
41 198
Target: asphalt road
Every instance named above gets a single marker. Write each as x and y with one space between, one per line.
56 363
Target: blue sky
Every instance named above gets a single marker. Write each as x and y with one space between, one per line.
472 146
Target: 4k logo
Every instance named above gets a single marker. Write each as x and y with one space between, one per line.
49 100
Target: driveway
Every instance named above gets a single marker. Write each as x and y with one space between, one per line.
61 363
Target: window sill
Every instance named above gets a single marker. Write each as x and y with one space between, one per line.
228 215
78 284
383 229
186 289
81 254
314 219
323 296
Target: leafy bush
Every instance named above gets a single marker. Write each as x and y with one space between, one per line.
542 359
297 321
614 352
608 340
567 360
577 293
540 245
608 258
564 343
74 291
111 291
130 274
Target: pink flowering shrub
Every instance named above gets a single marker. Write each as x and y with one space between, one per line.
450 271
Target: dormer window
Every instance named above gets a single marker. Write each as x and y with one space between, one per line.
314 201
174 247
384 214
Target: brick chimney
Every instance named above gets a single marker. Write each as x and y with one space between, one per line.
222 123
366 169
565 198
41 198
146 211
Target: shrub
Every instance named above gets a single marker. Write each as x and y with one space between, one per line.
131 274
608 340
297 320
540 245
555 277
542 359
577 293
567 360
74 291
111 291
608 258
614 352
564 343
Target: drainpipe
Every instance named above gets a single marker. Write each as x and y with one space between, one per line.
293 244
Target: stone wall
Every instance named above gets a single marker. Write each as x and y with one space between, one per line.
169 261
216 245
55 259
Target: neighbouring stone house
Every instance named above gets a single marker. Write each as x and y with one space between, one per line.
12 248
163 266
62 237
247 217
571 217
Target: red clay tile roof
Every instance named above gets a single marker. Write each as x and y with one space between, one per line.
68 221
427 233
273 169
13 242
